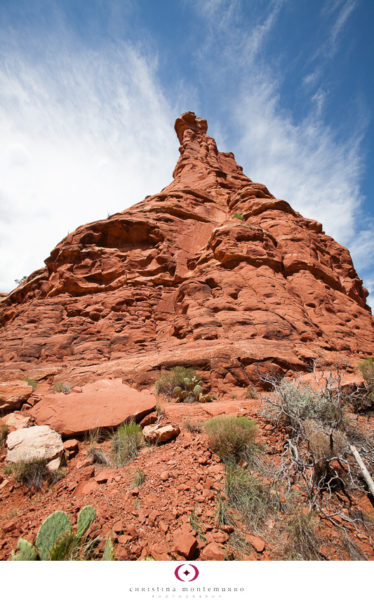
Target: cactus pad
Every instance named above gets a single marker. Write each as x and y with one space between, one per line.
26 551
85 519
55 525
108 550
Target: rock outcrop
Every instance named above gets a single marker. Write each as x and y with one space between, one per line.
212 272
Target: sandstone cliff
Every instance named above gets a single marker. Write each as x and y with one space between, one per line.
212 272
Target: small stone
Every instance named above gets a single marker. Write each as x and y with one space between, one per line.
54 465
135 491
71 447
185 543
123 539
9 526
85 488
163 526
209 483
212 552
149 420
85 462
256 541
160 435
87 472
221 537
164 476
132 530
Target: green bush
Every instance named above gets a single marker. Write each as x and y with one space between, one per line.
139 478
62 388
32 382
34 473
31 474
250 497
238 216
126 442
364 400
232 438
367 369
293 403
302 540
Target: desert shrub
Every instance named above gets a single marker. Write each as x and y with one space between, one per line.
252 499
3 433
138 478
62 388
159 409
367 369
31 474
223 512
196 524
126 442
251 392
32 382
363 399
232 438
192 426
324 446
302 540
238 216
320 432
98 456
294 402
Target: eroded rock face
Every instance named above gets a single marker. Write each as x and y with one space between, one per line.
212 272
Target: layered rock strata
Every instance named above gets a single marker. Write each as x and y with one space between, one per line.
212 272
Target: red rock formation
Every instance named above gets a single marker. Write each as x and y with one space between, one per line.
213 272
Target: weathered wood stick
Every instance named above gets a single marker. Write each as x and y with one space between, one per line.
364 470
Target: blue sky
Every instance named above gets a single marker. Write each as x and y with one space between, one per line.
90 89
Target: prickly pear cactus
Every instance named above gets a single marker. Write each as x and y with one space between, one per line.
26 551
65 546
85 519
108 550
197 391
188 383
177 391
53 527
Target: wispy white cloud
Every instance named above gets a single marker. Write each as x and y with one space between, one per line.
83 134
303 161
339 12
335 17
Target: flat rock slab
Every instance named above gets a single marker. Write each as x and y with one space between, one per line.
33 443
105 403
